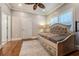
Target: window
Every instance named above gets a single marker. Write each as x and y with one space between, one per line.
67 19
53 20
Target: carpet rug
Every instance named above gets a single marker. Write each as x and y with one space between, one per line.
32 48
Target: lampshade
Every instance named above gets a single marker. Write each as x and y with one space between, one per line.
44 28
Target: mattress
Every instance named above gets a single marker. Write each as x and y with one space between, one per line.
53 37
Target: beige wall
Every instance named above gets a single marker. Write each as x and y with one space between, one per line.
37 20
30 21
76 5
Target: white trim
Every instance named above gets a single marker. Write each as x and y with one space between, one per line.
8 5
13 9
14 39
53 10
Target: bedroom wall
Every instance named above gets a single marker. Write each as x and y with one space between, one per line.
76 5
32 22
37 20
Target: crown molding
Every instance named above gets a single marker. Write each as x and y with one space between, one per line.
52 10
47 13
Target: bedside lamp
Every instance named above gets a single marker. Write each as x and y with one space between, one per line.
44 28
47 29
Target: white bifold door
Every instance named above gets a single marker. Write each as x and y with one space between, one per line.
21 25
9 27
5 28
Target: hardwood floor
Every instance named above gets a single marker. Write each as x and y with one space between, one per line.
13 48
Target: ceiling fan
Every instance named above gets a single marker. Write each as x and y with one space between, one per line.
35 5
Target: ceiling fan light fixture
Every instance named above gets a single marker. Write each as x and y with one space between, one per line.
35 5
41 5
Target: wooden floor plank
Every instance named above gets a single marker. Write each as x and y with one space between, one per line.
12 48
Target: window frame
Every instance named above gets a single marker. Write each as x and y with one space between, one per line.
64 11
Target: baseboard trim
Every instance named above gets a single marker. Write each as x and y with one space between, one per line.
14 39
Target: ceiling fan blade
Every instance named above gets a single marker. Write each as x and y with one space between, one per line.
35 6
41 5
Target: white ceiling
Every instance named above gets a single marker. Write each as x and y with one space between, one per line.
50 7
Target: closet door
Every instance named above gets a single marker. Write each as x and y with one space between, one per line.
21 25
9 27
26 27
0 27
4 28
16 26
